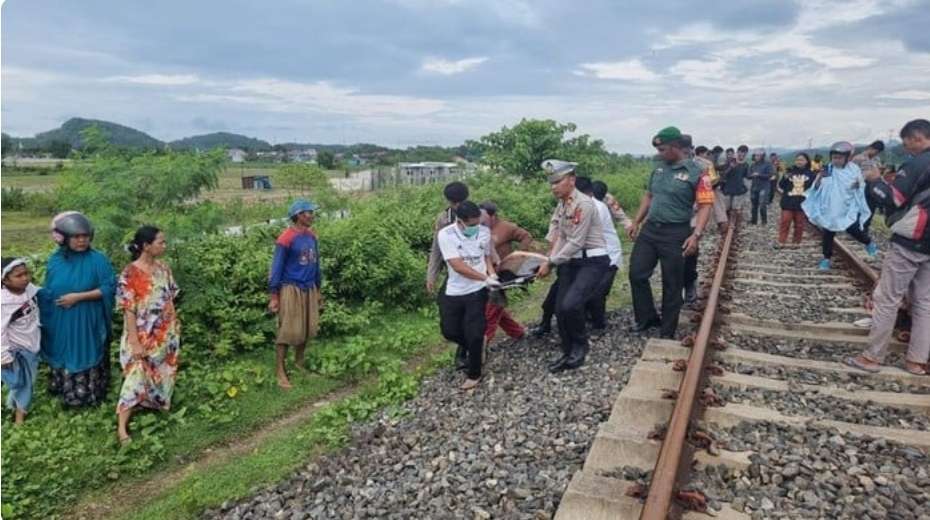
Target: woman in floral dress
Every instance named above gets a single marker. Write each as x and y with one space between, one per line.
151 331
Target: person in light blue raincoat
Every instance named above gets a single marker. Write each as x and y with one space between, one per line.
836 202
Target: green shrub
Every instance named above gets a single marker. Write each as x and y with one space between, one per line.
13 199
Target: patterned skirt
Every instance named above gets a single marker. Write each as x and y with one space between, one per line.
85 388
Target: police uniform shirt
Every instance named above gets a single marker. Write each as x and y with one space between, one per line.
575 225
473 251
675 188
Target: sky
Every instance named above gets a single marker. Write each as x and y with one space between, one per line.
438 72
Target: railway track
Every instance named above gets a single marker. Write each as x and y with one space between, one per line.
754 415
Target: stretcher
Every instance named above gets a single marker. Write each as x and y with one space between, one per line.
516 271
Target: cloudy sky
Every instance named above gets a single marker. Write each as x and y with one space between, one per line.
408 72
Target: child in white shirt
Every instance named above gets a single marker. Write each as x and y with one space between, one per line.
19 335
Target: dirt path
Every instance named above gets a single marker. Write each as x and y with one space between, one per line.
118 500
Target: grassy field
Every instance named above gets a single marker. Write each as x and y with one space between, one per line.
230 183
22 233
30 181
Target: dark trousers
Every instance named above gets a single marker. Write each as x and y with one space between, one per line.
691 263
826 243
461 319
873 206
759 197
548 306
578 281
659 243
596 309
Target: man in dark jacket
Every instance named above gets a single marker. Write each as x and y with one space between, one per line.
761 172
906 266
733 180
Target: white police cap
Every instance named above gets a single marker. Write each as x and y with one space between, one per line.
558 169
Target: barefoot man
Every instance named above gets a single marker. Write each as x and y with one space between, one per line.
294 283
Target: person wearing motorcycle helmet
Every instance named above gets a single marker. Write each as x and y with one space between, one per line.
76 305
836 202
761 172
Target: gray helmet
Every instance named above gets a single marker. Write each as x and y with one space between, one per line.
842 147
70 223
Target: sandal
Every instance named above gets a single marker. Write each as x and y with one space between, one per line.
855 363
915 369
470 384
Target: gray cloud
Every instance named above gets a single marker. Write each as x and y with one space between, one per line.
346 71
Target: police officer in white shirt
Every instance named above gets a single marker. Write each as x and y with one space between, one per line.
467 250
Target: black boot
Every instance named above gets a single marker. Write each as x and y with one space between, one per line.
574 360
540 331
643 327
556 365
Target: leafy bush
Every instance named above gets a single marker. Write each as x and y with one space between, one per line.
37 203
13 199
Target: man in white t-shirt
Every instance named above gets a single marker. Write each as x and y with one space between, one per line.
597 306
467 250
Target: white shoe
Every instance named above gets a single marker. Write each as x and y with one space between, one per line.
864 323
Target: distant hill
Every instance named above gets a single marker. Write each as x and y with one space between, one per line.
345 149
894 152
119 135
220 139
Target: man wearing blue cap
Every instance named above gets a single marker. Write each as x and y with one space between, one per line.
295 282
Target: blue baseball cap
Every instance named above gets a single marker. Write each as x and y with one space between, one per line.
299 206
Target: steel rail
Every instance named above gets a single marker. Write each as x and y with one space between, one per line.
667 470
861 270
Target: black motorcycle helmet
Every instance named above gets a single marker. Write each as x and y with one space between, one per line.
69 224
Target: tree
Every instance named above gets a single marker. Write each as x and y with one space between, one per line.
309 180
121 189
59 149
326 159
6 145
520 150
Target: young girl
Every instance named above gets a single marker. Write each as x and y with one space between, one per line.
793 185
19 346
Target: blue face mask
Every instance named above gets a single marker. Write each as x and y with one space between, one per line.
470 231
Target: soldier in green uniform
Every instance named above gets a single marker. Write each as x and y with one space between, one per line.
663 233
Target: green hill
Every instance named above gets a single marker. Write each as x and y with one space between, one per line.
222 140
119 135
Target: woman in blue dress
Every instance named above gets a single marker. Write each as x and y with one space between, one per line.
76 306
